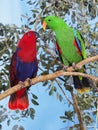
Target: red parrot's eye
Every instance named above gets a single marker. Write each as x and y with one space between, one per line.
36 34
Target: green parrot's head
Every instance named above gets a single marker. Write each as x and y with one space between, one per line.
53 22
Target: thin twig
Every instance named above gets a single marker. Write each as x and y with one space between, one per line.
64 93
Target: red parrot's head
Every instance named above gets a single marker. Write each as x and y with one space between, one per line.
27 46
28 39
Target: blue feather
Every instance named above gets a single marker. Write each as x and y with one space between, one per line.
25 70
79 44
77 39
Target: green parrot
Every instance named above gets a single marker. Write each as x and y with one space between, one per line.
70 46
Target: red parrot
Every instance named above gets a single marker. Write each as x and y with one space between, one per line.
23 65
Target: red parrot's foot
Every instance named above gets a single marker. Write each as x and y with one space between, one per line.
28 80
21 84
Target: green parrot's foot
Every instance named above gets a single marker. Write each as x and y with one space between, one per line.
65 68
74 66
21 84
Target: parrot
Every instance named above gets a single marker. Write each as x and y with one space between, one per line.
23 66
71 48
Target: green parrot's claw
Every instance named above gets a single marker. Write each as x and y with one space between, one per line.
65 68
74 66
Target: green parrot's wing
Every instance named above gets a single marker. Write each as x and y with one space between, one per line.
80 43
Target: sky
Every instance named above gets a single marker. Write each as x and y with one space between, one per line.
10 11
49 110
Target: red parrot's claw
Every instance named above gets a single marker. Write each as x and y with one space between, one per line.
28 80
65 68
21 84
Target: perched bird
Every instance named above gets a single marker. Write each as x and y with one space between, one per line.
23 65
71 48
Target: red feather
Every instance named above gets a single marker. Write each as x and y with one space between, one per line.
76 45
27 44
58 48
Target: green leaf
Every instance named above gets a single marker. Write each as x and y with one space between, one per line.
32 110
35 11
34 102
60 98
31 23
34 96
32 113
54 88
62 117
51 92
8 122
45 83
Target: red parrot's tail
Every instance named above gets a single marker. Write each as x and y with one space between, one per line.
19 100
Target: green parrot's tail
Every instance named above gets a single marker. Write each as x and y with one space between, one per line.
81 84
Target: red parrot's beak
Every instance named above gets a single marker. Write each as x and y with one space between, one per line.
44 25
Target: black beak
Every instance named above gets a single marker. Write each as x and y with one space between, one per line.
36 34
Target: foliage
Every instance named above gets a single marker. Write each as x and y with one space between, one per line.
79 14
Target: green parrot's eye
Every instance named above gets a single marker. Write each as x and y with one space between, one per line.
49 20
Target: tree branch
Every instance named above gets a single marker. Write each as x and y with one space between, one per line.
77 110
52 76
83 62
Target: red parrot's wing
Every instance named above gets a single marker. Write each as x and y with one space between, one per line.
13 79
17 101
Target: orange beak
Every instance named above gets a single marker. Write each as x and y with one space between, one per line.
44 25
